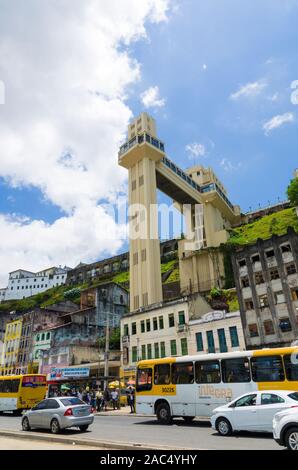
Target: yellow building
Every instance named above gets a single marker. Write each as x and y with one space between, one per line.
9 362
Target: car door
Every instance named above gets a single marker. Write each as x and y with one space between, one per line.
244 416
36 414
52 407
271 403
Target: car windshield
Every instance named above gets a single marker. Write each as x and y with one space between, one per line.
71 401
294 396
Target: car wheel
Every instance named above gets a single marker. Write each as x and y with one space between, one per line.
163 414
291 439
84 428
223 427
188 419
55 426
26 424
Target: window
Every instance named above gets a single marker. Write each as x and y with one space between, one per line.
134 353
234 336
274 274
42 337
248 400
161 325
143 255
271 399
141 180
236 370
144 379
222 340
286 248
208 372
291 269
270 254
156 350
162 349
279 297
199 341
210 342
249 305
125 330
135 259
263 300
242 263
267 369
255 258
155 325
184 348
148 325
133 185
143 326
145 299
37 338
134 328
294 293
245 281
291 367
183 373
143 352
136 301
9 386
294 396
53 404
253 330
259 278
162 374
181 316
173 347
172 319
149 351
285 324
268 327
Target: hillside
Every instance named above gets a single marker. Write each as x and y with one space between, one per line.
264 228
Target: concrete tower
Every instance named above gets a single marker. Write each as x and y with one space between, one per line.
139 155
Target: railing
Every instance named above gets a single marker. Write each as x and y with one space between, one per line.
141 138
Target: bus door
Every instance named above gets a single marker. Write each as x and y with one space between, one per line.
209 392
184 402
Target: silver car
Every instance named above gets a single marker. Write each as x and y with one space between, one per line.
58 413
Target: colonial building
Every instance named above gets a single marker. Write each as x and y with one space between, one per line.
267 287
13 332
160 330
22 284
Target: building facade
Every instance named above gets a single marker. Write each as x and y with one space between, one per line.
160 331
266 277
12 337
22 284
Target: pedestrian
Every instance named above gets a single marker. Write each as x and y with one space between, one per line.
131 398
106 396
114 397
99 400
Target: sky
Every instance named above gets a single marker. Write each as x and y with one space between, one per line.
220 78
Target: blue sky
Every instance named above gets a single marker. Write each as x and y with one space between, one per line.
74 75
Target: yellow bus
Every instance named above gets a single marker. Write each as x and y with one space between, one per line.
190 386
20 392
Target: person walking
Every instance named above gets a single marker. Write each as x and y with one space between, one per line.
107 398
114 397
99 400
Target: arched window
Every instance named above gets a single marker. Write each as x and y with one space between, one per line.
48 335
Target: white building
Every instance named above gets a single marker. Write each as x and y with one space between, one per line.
22 284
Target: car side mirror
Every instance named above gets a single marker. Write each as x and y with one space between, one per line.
232 405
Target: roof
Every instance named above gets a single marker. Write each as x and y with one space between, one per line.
104 284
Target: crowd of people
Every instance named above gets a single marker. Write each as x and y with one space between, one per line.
98 399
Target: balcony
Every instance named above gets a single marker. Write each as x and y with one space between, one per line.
182 328
138 140
125 340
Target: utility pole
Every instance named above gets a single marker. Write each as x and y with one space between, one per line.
107 349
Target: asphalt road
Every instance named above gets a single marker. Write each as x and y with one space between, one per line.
140 430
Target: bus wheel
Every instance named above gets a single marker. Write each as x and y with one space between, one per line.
224 427
55 427
26 424
163 414
188 419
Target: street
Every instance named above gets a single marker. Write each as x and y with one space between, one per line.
141 430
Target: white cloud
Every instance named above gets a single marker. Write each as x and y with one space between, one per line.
151 99
204 67
273 97
249 90
227 165
65 114
277 121
196 150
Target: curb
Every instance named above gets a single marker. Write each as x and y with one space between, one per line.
35 436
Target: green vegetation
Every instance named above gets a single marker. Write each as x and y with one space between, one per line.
114 341
174 276
121 278
273 224
292 192
227 296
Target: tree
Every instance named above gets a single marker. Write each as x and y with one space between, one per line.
114 340
292 192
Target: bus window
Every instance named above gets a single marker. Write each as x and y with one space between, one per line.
208 372
267 369
162 374
144 379
235 370
9 386
291 367
182 373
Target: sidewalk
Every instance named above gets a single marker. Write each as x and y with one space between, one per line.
123 411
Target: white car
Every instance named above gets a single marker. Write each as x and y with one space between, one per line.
285 428
253 411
